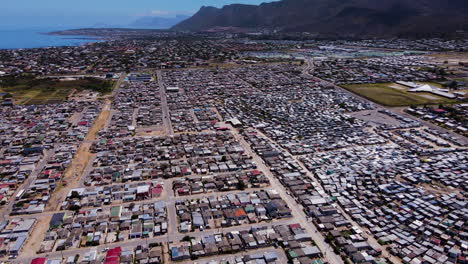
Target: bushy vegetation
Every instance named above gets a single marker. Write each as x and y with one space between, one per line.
27 88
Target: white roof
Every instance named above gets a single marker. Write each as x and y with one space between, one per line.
423 88
143 189
431 89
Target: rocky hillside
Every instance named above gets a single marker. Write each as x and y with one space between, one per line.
353 18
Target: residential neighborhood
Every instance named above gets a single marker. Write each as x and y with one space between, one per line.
214 149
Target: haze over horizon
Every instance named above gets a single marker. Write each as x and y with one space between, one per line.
25 14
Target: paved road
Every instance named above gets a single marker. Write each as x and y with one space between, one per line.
298 213
372 241
164 107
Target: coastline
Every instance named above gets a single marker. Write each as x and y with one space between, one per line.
41 38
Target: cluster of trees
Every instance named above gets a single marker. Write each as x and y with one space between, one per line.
101 86
11 80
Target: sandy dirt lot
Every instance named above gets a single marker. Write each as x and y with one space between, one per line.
38 233
151 133
81 159
72 176
100 122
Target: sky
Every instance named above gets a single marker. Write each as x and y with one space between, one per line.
24 14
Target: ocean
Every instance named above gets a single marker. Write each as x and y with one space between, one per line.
35 38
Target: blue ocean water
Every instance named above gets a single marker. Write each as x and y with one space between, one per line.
35 38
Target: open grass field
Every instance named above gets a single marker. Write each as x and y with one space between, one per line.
384 94
27 90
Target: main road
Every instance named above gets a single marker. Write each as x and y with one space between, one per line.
164 107
372 241
298 213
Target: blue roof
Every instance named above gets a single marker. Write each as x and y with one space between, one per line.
174 252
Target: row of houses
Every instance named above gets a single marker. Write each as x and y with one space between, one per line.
92 227
220 183
230 210
98 196
142 254
136 159
14 234
297 245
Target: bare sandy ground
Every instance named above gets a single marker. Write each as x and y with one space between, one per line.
38 233
81 159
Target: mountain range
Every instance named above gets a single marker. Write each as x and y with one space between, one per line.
339 18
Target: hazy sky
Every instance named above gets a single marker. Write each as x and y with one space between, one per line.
66 13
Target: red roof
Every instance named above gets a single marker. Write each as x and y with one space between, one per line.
114 252
239 212
38 261
55 175
294 226
156 190
255 172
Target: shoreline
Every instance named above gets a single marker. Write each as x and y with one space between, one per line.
41 38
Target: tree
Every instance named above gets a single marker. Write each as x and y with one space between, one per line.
74 208
187 238
453 84
241 185
75 195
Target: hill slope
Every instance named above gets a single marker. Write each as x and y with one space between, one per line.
338 17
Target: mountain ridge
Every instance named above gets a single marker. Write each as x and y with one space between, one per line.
370 18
